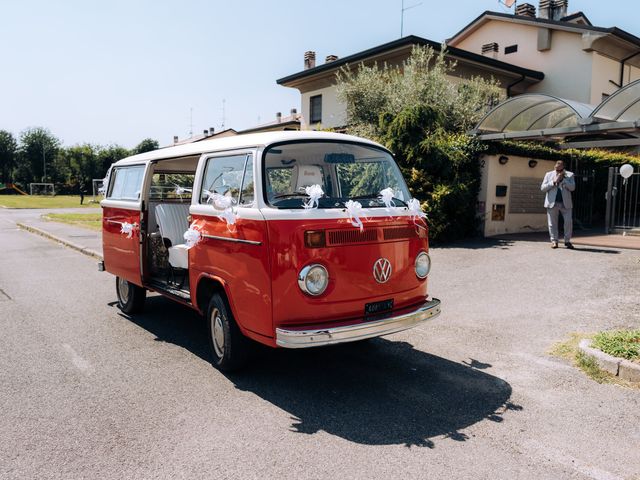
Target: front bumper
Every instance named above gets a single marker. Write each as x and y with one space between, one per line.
382 325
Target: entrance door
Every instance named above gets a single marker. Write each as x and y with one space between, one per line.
121 219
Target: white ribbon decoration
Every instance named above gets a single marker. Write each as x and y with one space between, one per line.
224 203
192 236
228 216
387 197
354 209
182 190
314 192
415 209
127 228
219 202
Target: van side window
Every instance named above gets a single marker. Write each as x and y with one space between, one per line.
225 175
126 183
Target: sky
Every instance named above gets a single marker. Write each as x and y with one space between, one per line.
116 71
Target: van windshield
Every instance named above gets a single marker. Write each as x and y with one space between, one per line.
344 171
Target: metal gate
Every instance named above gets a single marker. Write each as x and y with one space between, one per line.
623 203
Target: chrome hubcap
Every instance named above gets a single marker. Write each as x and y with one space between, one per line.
123 290
217 333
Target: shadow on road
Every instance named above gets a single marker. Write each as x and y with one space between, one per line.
377 392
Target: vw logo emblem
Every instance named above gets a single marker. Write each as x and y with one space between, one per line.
382 270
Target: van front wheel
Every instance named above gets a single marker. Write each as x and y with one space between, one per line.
130 296
229 347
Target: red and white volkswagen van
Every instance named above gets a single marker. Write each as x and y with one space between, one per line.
290 239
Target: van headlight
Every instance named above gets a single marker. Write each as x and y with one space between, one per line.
423 265
313 279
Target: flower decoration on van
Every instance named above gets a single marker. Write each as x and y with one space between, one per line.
415 209
314 192
386 196
223 203
127 228
192 236
354 209
182 190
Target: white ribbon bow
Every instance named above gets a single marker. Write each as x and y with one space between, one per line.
386 196
182 190
127 228
314 192
415 209
192 236
354 209
223 203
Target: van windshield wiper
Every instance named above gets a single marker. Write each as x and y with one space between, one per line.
376 197
289 195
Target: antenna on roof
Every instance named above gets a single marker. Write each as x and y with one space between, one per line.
190 122
402 15
223 112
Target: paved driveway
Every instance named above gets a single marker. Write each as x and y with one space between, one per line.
87 392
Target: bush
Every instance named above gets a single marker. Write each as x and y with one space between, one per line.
421 115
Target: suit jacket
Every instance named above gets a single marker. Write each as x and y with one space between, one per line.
567 186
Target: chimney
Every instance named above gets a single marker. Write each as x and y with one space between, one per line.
544 10
205 132
490 50
526 10
330 58
279 117
309 60
560 9
175 139
211 130
294 112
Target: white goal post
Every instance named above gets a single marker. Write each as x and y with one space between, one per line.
42 189
97 184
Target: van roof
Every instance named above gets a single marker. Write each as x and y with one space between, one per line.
239 141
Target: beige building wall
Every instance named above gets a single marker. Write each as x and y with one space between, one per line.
334 113
494 174
606 69
567 68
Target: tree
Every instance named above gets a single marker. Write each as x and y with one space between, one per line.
146 145
421 114
109 155
8 149
36 155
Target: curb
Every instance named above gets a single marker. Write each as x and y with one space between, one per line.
86 251
619 367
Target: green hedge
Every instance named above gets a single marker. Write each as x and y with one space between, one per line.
547 152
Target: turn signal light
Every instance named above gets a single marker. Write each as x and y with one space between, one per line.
314 239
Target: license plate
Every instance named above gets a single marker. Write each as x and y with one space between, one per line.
378 307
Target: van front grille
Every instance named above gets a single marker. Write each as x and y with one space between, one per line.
399 233
341 237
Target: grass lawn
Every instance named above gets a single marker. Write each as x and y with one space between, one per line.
569 351
92 221
45 201
619 343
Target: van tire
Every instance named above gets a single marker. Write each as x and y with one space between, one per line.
230 349
131 297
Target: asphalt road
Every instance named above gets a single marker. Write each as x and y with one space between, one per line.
86 392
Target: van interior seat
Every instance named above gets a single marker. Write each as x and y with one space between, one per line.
307 175
172 221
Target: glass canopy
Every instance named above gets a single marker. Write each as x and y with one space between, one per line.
533 112
622 106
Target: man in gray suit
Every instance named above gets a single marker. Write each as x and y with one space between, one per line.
558 185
